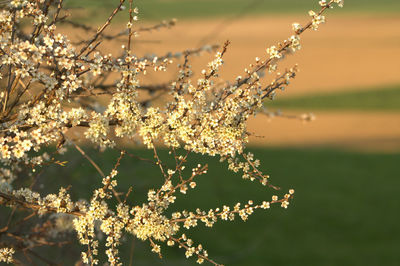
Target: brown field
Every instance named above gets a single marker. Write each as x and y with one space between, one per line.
349 52
349 130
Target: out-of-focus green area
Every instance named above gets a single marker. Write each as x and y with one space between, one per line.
382 99
166 9
344 211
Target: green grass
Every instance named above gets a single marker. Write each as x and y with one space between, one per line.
383 99
345 211
165 9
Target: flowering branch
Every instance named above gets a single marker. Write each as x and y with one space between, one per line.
52 86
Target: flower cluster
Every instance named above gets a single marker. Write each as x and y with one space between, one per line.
6 255
56 93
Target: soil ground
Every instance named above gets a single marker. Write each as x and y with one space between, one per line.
349 52
362 131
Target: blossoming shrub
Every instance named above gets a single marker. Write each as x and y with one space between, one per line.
51 86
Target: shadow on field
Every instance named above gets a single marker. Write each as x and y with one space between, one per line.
344 211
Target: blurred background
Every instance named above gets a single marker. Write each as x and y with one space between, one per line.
344 165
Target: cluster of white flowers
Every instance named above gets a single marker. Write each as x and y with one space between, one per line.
6 255
328 4
316 19
51 87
